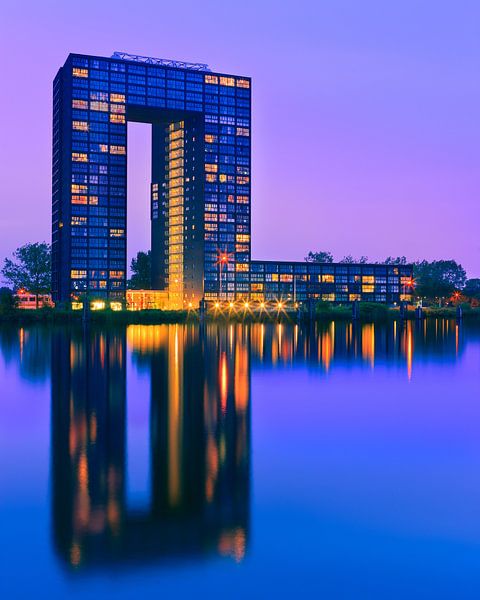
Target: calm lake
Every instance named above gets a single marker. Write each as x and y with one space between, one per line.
258 460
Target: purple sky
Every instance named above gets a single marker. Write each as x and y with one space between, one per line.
366 120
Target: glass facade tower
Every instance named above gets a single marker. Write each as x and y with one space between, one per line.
200 199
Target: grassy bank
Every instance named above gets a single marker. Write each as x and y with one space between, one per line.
368 313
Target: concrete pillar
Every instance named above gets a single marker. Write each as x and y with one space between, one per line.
355 310
202 310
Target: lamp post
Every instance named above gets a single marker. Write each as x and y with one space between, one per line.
223 261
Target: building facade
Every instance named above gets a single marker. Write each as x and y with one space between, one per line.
330 282
200 190
200 201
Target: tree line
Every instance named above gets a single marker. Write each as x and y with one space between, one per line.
433 280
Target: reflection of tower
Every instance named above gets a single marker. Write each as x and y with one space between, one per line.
88 441
199 438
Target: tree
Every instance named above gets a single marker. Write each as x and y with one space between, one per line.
7 300
350 260
472 289
30 269
399 260
439 278
319 257
141 268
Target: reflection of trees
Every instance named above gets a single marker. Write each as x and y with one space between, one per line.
199 444
29 347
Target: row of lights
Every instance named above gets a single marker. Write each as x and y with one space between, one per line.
246 305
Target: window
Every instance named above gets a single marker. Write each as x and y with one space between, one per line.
212 79
78 274
76 72
82 104
117 97
228 81
117 149
76 199
117 233
243 83
79 157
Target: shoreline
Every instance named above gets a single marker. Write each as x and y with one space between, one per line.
156 317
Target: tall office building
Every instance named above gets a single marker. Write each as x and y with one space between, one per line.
200 194
200 191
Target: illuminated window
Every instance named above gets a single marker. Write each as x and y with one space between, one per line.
242 180
101 106
117 98
117 149
243 237
117 274
228 81
211 79
368 289
79 199
210 177
78 189
79 157
243 131
116 233
242 199
93 200
210 168
210 139
78 220
328 279
117 118
80 125
243 83
78 274
286 278
76 72
241 267
368 279
83 104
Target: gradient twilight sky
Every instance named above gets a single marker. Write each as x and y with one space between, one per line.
366 120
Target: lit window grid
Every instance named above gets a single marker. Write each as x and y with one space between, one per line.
128 87
334 282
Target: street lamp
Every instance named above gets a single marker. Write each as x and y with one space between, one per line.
223 262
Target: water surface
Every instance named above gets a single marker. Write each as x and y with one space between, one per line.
268 460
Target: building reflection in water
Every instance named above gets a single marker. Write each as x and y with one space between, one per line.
199 422
362 343
199 444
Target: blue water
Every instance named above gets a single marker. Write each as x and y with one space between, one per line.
240 461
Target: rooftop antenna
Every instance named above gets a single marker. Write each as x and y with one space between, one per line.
164 62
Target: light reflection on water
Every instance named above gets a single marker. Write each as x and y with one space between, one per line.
198 503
